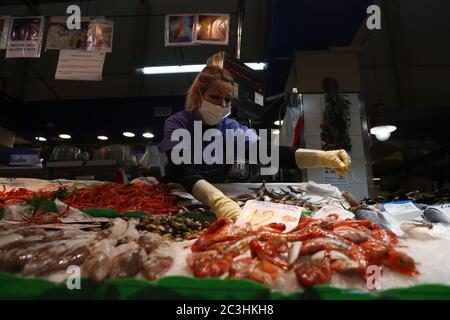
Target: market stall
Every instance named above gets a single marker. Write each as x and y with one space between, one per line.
151 240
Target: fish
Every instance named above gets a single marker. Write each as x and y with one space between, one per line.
126 261
439 213
97 265
155 266
126 265
131 233
375 216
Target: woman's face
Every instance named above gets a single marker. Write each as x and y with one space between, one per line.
220 93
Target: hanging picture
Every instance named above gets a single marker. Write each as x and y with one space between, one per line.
25 37
4 30
100 35
179 30
212 28
60 37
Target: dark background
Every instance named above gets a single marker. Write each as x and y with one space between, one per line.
405 66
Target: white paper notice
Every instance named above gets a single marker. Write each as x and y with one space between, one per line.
80 65
330 176
25 37
260 213
400 207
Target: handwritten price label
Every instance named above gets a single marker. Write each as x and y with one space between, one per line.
260 213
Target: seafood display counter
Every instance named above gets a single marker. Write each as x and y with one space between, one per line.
93 240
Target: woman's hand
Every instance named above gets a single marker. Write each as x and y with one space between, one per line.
220 204
335 159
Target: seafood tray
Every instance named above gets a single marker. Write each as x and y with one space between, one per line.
142 264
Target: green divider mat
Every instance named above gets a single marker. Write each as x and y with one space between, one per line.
111 213
17 287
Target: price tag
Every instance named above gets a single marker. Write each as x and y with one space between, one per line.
400 207
260 213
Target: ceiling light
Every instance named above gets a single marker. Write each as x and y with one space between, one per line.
383 133
148 135
376 179
65 136
128 134
278 123
173 69
257 65
191 68
275 132
41 139
104 138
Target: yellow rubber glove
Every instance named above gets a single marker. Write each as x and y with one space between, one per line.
335 159
220 204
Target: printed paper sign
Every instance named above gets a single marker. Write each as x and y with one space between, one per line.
400 207
330 176
179 30
60 37
212 29
100 35
25 37
4 31
80 65
326 210
260 213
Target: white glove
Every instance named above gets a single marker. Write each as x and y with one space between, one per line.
220 204
335 159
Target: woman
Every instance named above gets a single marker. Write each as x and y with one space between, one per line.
209 101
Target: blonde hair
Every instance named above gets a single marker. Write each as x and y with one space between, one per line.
203 81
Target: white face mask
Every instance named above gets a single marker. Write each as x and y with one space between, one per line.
212 114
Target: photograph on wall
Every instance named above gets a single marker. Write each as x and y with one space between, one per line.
25 37
4 29
179 30
60 37
212 28
100 35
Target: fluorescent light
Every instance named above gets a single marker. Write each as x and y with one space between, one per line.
376 179
278 123
191 68
128 134
148 135
102 138
41 139
276 132
257 65
65 136
383 133
173 69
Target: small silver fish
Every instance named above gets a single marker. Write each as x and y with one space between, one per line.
433 214
375 216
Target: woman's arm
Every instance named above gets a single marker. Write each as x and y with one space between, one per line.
186 174
205 192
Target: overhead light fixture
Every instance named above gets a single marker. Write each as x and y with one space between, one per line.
148 135
376 179
383 133
192 68
128 134
65 136
278 123
41 139
103 138
257 66
276 132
